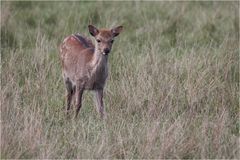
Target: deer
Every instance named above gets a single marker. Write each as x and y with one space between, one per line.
85 65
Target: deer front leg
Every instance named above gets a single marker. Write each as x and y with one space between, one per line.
99 101
78 94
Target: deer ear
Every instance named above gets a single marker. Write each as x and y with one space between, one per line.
117 30
93 30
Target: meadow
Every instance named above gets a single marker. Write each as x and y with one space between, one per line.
172 90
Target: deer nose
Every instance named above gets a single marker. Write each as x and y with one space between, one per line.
106 50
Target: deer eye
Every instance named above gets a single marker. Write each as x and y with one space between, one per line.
111 41
98 40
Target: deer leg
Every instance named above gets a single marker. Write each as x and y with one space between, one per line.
69 94
78 94
73 96
99 102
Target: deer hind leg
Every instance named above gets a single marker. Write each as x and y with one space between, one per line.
99 101
74 96
78 96
69 93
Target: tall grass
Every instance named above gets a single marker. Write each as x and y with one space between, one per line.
172 92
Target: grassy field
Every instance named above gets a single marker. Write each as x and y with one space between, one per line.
172 90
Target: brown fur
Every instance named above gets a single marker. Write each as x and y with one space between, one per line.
84 66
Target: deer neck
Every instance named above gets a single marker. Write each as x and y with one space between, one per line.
99 60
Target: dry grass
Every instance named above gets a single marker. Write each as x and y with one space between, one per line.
173 89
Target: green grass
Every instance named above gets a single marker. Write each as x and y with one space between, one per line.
172 91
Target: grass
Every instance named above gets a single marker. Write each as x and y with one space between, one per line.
172 91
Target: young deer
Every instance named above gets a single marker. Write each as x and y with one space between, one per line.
85 66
